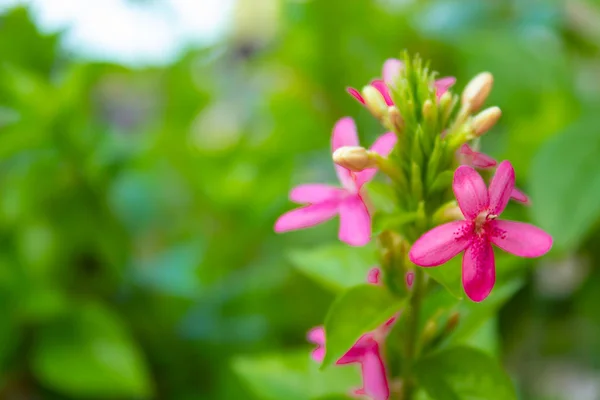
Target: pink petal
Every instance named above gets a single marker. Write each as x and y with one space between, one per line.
476 159
356 94
355 221
375 382
519 238
391 70
470 191
383 89
374 276
441 243
478 269
306 217
382 146
356 353
315 193
344 134
443 84
317 336
501 187
519 196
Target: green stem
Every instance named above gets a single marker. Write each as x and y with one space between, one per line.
412 339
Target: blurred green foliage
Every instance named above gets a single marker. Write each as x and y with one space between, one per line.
137 258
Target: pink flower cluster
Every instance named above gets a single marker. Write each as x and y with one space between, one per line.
366 352
479 205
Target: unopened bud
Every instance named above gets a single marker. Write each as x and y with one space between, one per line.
427 109
395 119
430 330
477 91
485 120
452 322
355 158
374 101
410 278
447 213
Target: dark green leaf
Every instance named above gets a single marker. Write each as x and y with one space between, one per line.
463 373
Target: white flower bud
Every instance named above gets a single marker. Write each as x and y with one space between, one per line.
355 158
485 120
477 91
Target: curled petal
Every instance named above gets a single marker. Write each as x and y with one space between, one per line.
383 89
470 191
501 187
441 243
519 238
519 196
443 84
375 382
306 217
356 94
356 353
315 193
355 221
476 159
391 70
382 146
478 269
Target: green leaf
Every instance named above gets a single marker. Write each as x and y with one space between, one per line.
294 376
463 373
90 354
358 310
565 183
336 266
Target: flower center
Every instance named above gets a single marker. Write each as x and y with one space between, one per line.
481 220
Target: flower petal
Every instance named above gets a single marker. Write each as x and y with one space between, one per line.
441 243
308 216
355 221
475 158
316 335
519 196
315 193
470 191
357 352
391 70
383 89
501 187
375 382
382 146
443 84
478 269
356 94
519 238
344 134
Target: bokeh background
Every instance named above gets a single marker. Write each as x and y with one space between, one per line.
147 147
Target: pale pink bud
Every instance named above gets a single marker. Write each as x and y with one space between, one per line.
485 120
477 91
354 158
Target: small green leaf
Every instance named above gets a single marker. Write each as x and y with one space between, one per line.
294 376
336 266
463 373
90 354
572 184
358 310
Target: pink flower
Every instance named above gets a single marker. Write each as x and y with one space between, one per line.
391 70
365 352
480 229
468 156
324 201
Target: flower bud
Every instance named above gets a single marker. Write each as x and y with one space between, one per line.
477 91
485 120
374 101
395 119
355 158
452 322
427 109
